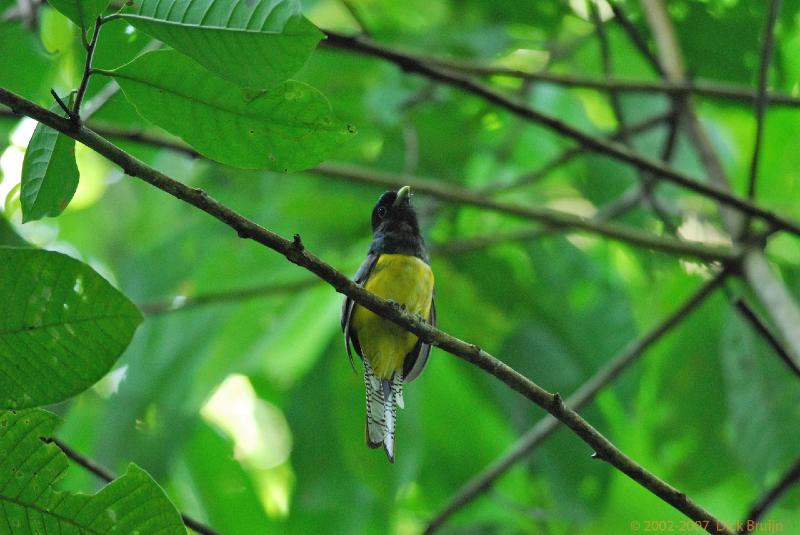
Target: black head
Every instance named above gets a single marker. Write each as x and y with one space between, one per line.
394 225
393 210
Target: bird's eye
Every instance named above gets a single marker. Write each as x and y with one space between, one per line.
381 212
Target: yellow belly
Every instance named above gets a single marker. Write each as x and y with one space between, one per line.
408 281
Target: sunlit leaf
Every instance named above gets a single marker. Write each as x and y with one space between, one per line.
49 174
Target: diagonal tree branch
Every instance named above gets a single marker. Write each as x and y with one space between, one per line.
552 218
770 497
584 395
295 252
106 475
411 64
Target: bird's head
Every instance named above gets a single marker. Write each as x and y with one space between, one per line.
393 212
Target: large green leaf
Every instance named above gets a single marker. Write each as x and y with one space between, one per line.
62 327
254 43
81 12
29 469
49 174
287 128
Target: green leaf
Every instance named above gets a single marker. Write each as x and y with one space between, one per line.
287 128
49 174
256 43
62 327
9 236
30 468
81 12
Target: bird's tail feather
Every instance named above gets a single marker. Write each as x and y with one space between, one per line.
383 396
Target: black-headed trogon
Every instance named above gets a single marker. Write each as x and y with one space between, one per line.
397 268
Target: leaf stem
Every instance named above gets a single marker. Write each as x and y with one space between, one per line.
112 17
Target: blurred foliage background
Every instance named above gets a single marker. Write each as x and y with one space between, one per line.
246 410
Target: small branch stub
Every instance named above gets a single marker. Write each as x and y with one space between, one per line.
558 403
61 104
297 243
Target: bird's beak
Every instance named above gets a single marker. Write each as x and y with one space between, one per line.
403 195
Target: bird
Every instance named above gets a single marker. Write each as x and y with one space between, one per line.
397 268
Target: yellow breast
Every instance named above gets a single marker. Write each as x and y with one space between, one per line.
408 281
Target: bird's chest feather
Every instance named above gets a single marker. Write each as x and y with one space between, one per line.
408 281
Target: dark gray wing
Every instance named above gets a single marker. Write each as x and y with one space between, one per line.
347 308
415 361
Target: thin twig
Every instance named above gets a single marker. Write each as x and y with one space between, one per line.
699 87
605 60
630 198
584 395
761 96
638 39
790 478
552 218
295 252
569 154
181 304
475 243
87 70
61 103
108 476
761 327
409 63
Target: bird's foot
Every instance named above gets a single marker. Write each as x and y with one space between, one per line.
395 304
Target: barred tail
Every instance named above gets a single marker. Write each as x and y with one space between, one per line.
383 396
